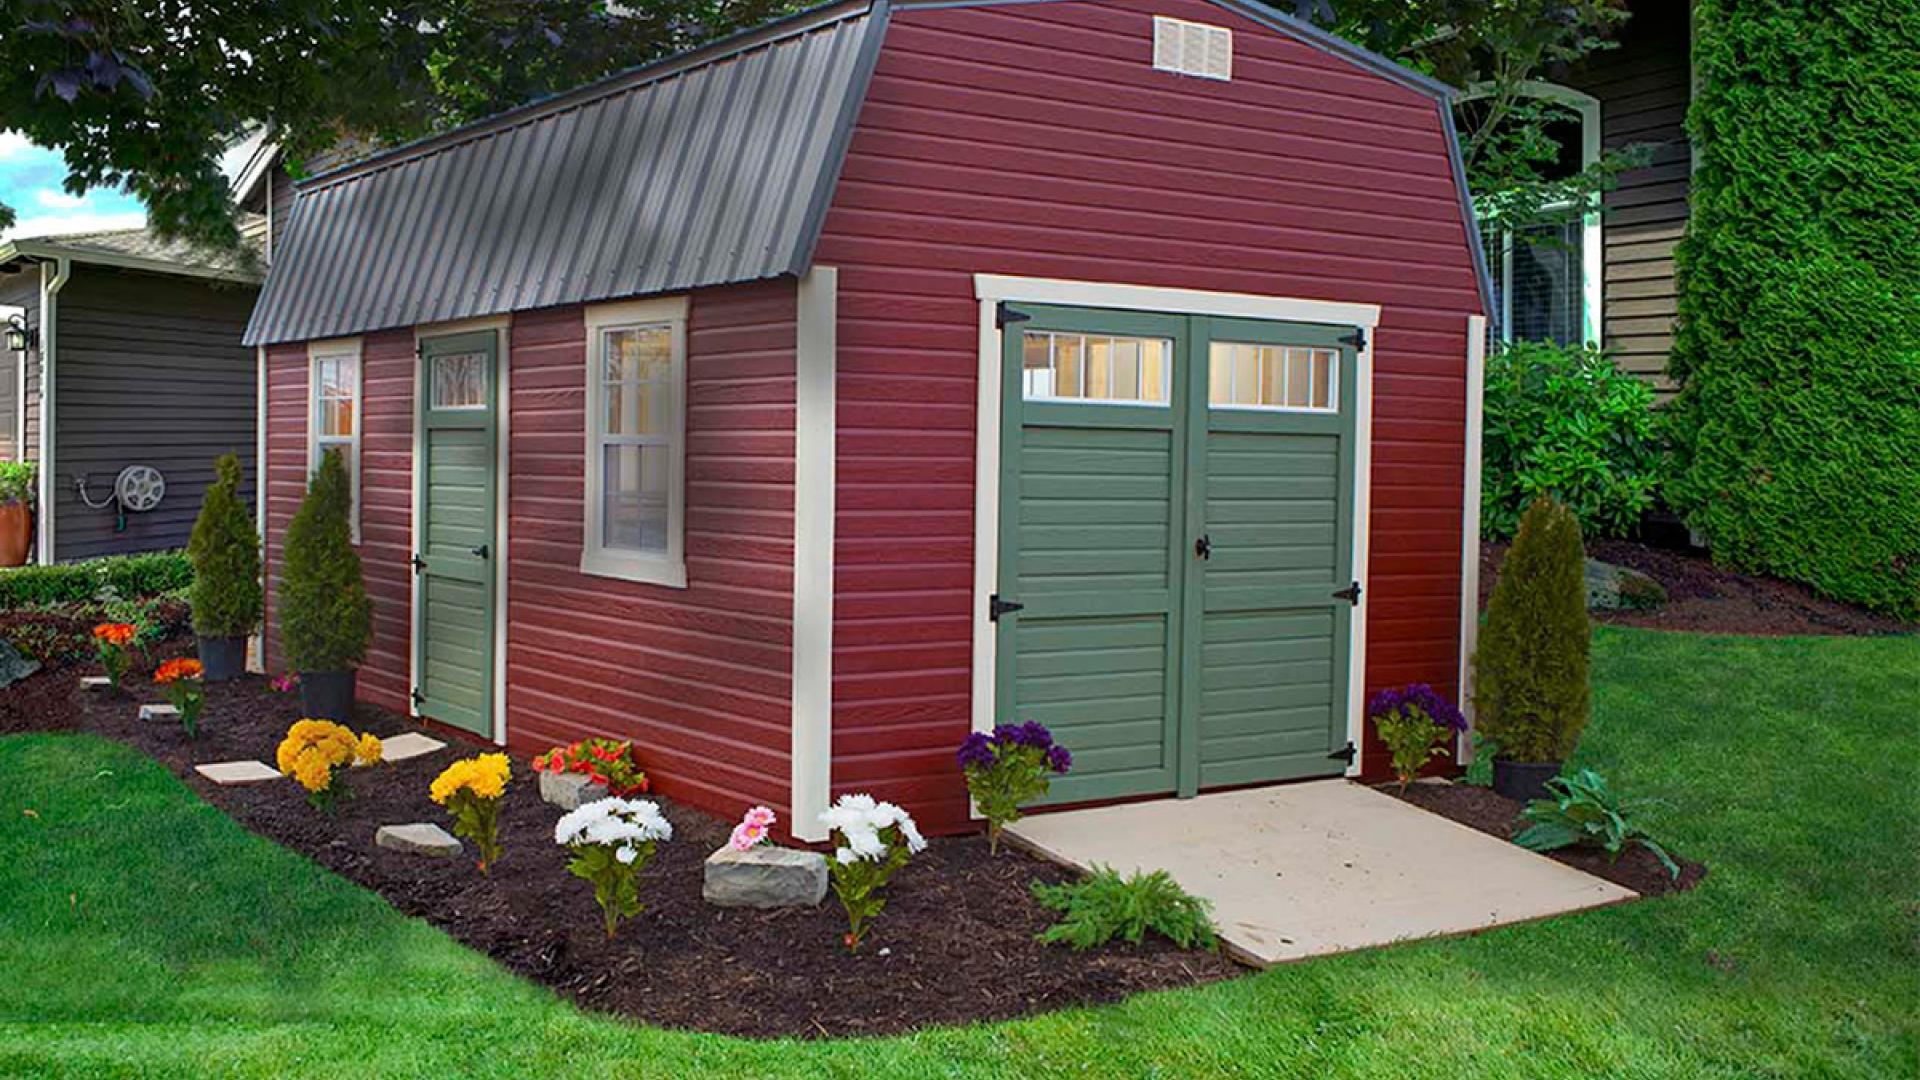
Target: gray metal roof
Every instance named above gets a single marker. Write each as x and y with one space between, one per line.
711 167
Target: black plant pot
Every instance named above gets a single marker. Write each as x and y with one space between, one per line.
1523 780
327 695
222 657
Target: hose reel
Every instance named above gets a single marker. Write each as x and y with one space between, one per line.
138 488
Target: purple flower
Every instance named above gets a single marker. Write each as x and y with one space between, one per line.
1058 759
976 750
1422 698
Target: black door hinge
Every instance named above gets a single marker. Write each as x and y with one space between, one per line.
1351 594
419 697
1345 753
419 563
1004 314
1357 339
997 607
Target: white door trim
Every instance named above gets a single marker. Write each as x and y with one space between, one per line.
991 289
1470 528
816 364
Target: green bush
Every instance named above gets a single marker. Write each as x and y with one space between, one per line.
1104 906
1564 421
326 620
1530 673
17 481
115 576
225 551
1584 812
1797 425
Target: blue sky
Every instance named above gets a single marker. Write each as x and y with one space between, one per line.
30 179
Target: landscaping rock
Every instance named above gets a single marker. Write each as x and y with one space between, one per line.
236 773
765 877
1616 588
568 790
95 682
159 713
13 665
408 745
419 838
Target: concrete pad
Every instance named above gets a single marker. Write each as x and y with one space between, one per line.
1324 867
95 682
412 744
236 773
159 713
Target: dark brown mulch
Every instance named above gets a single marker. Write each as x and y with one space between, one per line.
1705 598
956 943
1496 815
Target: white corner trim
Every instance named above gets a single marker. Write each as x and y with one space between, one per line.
1470 528
986 515
53 278
1362 554
260 443
668 568
816 363
1175 301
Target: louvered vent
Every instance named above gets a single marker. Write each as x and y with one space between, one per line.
1191 48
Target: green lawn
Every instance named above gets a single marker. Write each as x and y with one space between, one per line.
142 933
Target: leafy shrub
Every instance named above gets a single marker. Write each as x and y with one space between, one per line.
225 551
1416 723
611 841
326 620
876 839
17 481
125 577
1530 673
1584 812
1564 421
1797 424
471 790
1008 768
1103 906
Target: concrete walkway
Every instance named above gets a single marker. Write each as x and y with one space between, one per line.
1322 867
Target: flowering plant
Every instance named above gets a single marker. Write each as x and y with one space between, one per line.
1014 765
112 639
875 840
611 840
1414 721
754 829
607 762
285 683
470 789
180 678
314 753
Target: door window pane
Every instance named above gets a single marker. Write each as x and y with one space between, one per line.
460 381
1250 376
1094 368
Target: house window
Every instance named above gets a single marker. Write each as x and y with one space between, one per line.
334 422
1095 368
636 442
1241 375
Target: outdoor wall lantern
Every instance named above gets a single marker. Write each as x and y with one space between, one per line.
20 336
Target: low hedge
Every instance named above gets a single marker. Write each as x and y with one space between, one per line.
129 577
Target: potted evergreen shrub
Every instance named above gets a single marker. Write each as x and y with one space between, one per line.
326 620
16 511
1530 673
225 552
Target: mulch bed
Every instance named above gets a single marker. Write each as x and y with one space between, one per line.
1496 815
955 944
1705 598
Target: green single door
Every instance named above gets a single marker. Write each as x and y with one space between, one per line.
455 486
1176 519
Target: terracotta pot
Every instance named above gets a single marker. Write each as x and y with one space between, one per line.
1523 780
16 533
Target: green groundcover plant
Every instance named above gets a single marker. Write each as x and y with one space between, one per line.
225 551
1584 812
1797 424
1530 673
1104 906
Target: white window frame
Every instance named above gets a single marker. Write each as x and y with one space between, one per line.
1166 372
670 568
1331 408
338 349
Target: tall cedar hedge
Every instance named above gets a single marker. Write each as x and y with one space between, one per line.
326 620
1798 351
225 551
1530 674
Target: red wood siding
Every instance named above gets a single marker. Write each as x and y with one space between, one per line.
1036 140
699 678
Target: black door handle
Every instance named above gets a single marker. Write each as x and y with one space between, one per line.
480 551
1203 547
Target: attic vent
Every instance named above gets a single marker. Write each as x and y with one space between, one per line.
1191 48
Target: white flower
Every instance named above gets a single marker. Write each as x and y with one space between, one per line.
915 843
845 856
625 855
866 842
613 822
860 820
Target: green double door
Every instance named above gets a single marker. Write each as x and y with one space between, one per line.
455 490
1176 580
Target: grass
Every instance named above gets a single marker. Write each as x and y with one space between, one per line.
142 933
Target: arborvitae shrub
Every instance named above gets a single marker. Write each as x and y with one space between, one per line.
1530 673
326 620
225 551
1797 426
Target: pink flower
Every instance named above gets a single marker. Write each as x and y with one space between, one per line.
761 816
746 835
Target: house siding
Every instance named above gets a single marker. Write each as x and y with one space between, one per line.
1036 140
20 292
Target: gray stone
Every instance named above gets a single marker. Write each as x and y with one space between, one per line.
568 790
95 682
419 838
159 713
765 877
235 773
410 744
1617 588
14 665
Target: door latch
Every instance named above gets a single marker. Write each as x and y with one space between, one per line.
997 607
1203 547
1351 594
419 563
479 551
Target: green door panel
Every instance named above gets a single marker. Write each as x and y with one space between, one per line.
456 488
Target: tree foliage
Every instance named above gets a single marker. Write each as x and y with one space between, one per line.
1797 425
326 620
1530 673
225 550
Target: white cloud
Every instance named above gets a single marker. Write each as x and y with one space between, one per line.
56 224
13 143
55 199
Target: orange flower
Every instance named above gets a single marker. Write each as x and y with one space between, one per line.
184 667
115 633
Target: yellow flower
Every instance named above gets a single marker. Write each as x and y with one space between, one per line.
368 750
484 777
314 748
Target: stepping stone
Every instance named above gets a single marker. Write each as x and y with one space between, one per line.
235 773
420 838
159 713
568 790
764 876
95 682
409 745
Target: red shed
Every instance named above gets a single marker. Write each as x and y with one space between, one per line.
794 406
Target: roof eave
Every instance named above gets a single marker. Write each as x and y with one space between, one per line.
42 249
